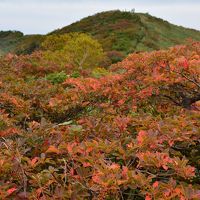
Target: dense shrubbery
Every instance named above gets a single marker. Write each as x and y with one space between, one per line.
129 132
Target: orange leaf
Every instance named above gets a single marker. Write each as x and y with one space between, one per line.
9 132
33 161
52 149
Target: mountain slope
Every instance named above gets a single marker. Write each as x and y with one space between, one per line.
128 31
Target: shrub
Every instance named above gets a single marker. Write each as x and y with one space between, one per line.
131 133
57 77
99 72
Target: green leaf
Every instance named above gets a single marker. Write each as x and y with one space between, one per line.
65 123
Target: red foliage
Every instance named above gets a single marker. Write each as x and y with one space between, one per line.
134 131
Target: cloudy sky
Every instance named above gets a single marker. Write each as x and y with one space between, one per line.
43 16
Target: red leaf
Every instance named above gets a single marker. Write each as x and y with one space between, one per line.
11 190
86 164
96 179
120 102
165 167
148 197
155 184
124 171
114 166
141 136
72 171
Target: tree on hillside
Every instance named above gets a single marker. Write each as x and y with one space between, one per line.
77 49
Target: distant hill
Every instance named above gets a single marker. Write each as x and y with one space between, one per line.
9 40
15 41
118 31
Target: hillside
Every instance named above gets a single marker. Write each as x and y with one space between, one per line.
9 40
131 32
17 42
131 133
119 32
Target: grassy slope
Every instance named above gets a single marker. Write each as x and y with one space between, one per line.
162 34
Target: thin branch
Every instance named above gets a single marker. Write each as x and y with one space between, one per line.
173 100
188 78
18 159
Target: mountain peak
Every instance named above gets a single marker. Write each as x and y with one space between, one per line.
128 32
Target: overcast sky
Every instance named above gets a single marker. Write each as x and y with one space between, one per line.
43 16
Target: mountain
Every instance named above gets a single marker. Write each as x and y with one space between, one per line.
128 31
120 33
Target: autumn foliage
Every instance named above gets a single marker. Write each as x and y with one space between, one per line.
131 133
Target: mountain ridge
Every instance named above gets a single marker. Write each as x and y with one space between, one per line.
119 31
